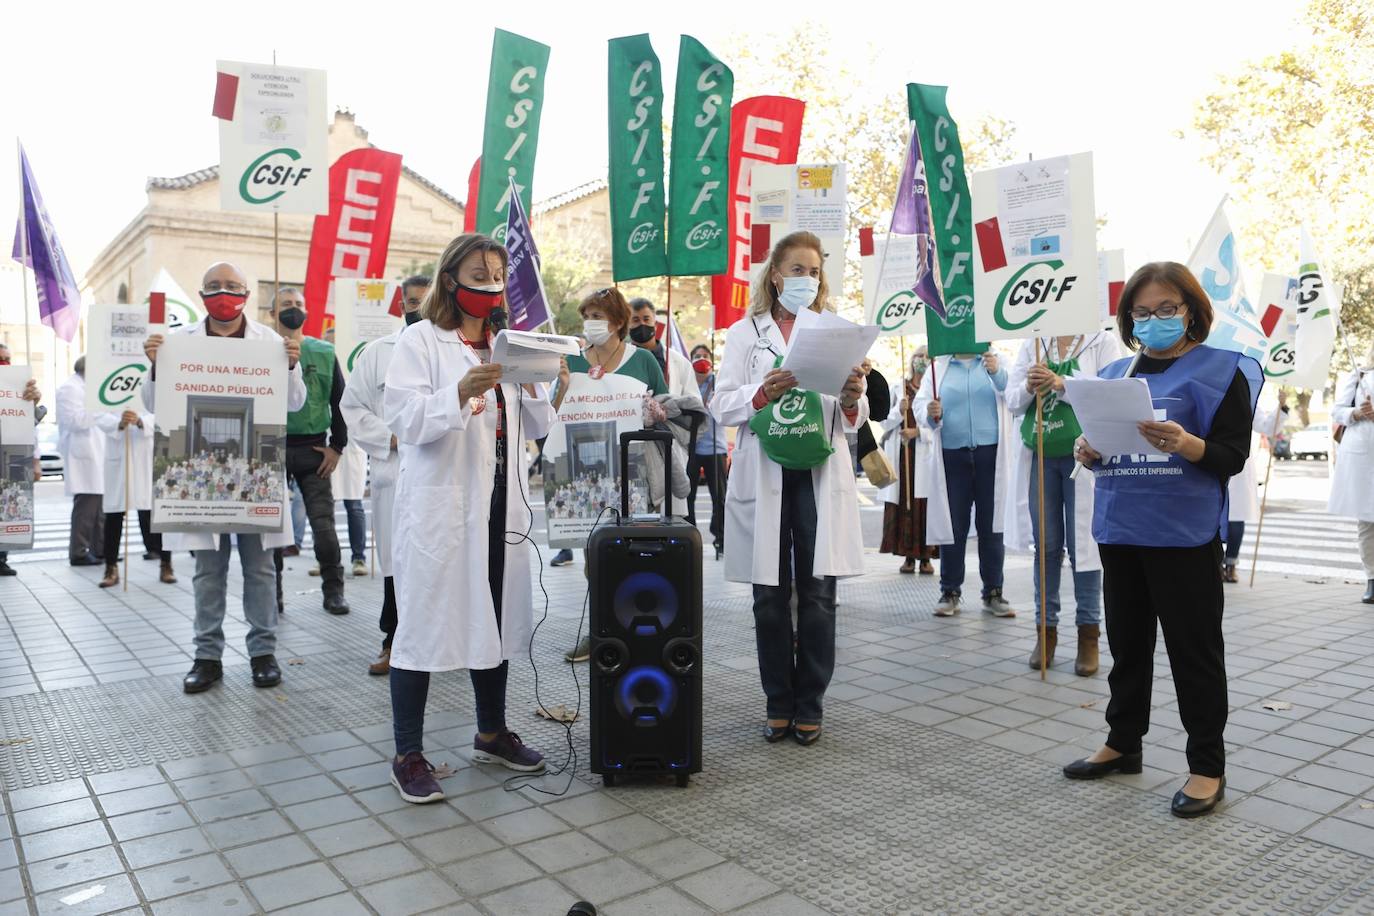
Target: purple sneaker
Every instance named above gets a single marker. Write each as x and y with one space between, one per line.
413 777
508 750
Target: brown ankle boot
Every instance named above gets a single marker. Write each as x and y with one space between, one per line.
1086 662
165 573
1051 642
111 576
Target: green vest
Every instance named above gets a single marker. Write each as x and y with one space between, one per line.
317 368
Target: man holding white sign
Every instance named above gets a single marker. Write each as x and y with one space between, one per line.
224 290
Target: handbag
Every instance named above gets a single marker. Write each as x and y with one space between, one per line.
878 469
791 430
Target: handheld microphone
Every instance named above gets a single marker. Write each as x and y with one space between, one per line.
499 319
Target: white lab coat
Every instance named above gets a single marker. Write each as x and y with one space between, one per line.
362 409
682 378
1352 480
892 448
443 503
939 528
349 480
140 472
1096 352
80 444
1243 488
753 496
295 400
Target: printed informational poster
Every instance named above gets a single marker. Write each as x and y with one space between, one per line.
894 306
16 451
791 198
115 363
1035 249
582 455
364 311
273 138
220 449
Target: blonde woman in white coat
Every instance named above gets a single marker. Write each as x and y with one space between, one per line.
129 433
460 556
784 524
1042 365
1352 481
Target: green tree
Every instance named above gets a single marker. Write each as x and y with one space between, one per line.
1292 133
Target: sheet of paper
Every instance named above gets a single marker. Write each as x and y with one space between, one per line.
1109 410
824 349
527 358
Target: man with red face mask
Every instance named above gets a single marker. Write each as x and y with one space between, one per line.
224 290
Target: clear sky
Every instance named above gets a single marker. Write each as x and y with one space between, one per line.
106 94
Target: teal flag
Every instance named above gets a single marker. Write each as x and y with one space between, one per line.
515 100
952 210
698 192
636 156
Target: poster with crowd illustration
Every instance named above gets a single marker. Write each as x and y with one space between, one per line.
16 459
218 458
582 456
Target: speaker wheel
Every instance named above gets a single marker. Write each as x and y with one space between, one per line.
682 779
608 780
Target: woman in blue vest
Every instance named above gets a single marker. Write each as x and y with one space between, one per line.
1158 519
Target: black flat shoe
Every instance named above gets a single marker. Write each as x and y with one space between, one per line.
265 671
335 604
203 673
1129 764
1369 593
807 737
1187 806
775 733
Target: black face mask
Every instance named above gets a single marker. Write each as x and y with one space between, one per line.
412 317
642 333
292 318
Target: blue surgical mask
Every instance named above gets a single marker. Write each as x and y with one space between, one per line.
798 293
1159 333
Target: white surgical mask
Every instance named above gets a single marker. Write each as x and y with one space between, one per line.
596 330
798 293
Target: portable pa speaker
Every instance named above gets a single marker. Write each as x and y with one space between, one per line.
645 626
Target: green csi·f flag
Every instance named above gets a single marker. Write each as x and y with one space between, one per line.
698 198
636 156
515 100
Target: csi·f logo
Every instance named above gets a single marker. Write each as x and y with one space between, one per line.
900 308
271 175
1030 291
640 238
790 408
120 385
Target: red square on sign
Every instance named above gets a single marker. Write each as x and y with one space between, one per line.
990 245
226 94
157 308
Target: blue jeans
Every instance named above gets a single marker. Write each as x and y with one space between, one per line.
298 517
357 529
1235 533
259 597
1059 530
795 683
971 480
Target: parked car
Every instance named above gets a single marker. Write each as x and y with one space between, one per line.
48 458
1312 442
1283 445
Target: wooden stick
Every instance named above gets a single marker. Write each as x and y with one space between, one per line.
902 462
128 433
23 267
1040 545
1264 500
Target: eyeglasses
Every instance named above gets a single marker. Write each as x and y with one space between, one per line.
215 286
1166 310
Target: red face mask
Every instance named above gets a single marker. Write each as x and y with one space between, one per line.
702 366
478 302
224 305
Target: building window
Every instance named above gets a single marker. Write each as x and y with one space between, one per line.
122 297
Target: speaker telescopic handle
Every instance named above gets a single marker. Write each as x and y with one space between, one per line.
646 435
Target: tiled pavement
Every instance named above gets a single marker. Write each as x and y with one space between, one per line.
935 789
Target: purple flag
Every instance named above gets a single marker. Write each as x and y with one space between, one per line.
59 300
529 306
911 216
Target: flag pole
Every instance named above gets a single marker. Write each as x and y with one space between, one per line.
128 434
24 243
1040 492
1264 499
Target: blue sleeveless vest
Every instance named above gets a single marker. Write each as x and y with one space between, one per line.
1153 501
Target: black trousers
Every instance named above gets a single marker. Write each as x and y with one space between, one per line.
302 461
114 527
388 624
1180 587
88 525
714 466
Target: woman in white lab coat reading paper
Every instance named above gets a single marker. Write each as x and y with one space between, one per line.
789 512
460 555
1352 481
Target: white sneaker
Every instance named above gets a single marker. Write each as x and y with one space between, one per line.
948 606
314 570
359 568
996 605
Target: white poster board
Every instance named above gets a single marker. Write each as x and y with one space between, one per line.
182 307
364 311
582 455
16 452
1035 249
220 450
274 147
1111 280
115 363
894 308
811 197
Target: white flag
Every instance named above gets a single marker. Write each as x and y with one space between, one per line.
1216 264
182 309
1317 310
